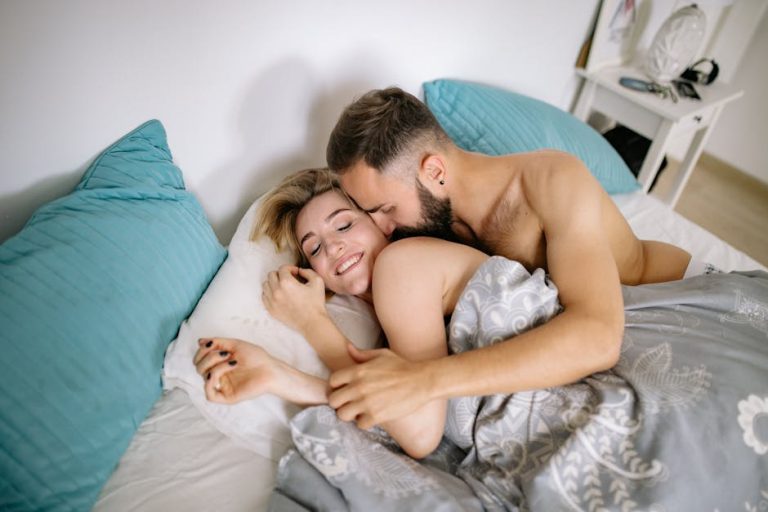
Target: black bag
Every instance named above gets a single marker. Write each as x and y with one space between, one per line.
632 147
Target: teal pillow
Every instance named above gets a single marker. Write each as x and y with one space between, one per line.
493 121
92 291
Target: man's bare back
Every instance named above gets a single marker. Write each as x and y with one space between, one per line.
513 223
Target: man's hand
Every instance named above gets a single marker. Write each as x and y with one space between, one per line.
292 301
382 387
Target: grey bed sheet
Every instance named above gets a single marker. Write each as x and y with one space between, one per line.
681 422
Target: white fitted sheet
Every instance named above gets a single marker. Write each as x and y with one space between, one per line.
652 219
179 461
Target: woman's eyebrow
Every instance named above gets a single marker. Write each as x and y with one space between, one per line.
328 219
335 213
305 237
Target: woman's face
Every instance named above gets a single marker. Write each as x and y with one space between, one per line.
340 242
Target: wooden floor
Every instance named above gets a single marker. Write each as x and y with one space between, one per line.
726 202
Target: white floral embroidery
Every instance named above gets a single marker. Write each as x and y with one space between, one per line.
752 410
659 384
760 506
748 311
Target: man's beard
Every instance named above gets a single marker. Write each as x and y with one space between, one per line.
437 218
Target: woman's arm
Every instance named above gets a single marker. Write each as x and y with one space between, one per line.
301 306
415 282
235 370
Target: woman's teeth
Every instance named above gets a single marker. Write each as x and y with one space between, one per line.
348 263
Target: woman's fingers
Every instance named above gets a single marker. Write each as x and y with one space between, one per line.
211 359
204 345
218 386
217 348
208 345
287 271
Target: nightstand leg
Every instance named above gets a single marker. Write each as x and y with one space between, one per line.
584 103
655 155
689 162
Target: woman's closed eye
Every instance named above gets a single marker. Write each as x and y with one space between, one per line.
341 227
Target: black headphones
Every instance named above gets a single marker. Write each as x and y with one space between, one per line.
695 74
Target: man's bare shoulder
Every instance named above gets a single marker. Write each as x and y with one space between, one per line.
548 163
550 174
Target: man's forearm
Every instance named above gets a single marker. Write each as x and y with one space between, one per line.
564 350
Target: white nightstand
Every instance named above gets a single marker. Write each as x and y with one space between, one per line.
655 118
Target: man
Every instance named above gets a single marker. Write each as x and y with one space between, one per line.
543 209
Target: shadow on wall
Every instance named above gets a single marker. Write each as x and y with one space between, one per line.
286 103
283 123
18 207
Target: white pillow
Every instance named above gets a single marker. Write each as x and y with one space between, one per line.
231 307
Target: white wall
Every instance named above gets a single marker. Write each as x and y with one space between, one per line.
247 91
741 134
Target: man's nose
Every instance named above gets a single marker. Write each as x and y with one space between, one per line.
386 225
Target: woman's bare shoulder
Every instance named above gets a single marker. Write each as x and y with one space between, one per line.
425 252
430 268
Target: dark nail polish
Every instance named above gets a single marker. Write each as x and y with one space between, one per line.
223 353
232 363
209 344
208 376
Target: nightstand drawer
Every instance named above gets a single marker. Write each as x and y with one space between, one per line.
696 121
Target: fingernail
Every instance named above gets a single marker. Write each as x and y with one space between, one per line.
232 363
208 376
209 344
223 353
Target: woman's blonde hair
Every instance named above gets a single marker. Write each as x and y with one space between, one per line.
276 217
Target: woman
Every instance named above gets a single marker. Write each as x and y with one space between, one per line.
419 279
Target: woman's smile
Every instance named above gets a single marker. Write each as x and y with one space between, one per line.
348 262
340 242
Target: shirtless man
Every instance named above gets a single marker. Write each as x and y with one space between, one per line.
543 209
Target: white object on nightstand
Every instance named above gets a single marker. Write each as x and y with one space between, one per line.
655 118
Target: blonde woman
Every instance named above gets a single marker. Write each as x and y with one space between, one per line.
418 279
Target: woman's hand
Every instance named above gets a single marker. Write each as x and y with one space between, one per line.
293 302
235 370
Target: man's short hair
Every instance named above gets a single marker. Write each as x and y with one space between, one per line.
381 126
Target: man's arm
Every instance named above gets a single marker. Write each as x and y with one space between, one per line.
582 340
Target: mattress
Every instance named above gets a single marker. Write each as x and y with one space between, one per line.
179 461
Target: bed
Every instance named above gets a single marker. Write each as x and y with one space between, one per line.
116 420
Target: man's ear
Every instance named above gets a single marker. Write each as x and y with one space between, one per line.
432 171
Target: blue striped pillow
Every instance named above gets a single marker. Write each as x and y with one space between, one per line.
493 121
92 290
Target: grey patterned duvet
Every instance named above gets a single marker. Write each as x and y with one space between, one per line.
681 422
